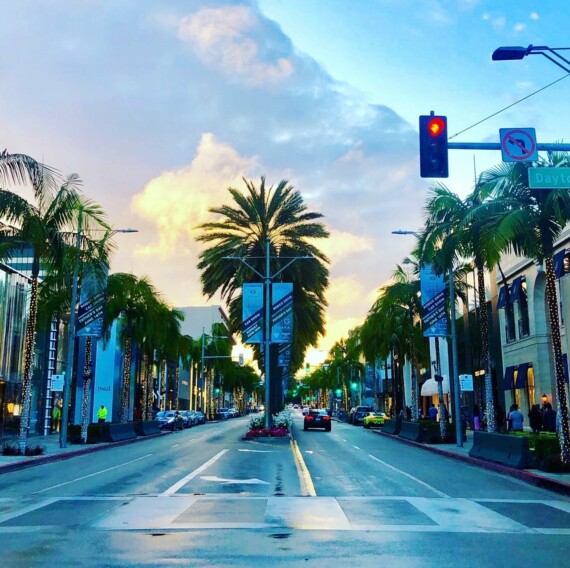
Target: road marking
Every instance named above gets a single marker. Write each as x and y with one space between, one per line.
436 491
252 481
175 445
174 488
356 447
343 439
307 487
91 474
258 451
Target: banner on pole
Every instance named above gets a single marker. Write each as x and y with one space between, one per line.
282 312
252 313
91 304
434 313
284 357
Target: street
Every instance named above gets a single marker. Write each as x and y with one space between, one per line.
205 497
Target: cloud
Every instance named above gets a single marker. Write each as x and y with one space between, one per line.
176 201
226 38
519 27
534 16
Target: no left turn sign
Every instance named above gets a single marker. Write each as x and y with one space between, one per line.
518 144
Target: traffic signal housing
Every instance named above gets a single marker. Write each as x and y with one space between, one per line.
433 146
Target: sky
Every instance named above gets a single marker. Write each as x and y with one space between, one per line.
161 105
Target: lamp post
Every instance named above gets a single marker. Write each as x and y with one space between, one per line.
454 382
71 333
514 53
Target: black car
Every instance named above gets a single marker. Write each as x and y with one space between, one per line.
360 412
317 419
186 418
170 420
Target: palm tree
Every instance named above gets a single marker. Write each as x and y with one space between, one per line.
455 228
528 222
20 169
46 225
276 215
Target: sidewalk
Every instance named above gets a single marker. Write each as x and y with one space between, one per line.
557 482
54 453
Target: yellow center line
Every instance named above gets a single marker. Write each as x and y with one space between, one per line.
307 487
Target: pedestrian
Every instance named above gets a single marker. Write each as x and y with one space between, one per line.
548 418
516 419
535 419
55 417
432 412
476 417
102 414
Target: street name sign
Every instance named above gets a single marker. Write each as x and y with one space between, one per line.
518 144
57 383
549 178
466 383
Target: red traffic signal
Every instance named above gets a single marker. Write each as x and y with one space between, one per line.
433 146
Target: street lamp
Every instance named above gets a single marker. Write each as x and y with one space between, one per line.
71 336
514 53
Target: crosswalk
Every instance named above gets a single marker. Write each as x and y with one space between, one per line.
230 511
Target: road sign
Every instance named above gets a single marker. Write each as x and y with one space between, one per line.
57 383
466 383
434 316
518 144
253 321
549 178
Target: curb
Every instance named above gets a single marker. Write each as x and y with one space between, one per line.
24 464
532 478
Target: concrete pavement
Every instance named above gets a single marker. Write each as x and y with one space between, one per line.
558 482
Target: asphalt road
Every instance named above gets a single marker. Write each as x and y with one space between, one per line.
205 497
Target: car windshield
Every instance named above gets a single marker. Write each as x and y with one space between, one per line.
318 412
364 409
380 414
223 409
161 414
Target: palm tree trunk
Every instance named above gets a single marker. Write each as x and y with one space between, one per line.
163 393
126 381
442 427
484 326
554 323
86 399
28 366
149 388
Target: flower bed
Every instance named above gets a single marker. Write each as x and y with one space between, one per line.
280 429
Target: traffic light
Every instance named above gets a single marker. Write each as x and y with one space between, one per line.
433 146
338 393
216 391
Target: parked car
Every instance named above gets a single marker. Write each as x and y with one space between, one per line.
374 419
200 418
234 412
317 419
186 418
223 413
170 420
359 413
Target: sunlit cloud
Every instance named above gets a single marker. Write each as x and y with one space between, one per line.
519 27
177 201
226 38
534 16
342 244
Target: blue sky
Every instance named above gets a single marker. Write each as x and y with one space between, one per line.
161 105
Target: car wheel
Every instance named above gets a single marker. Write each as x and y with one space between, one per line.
367 426
305 428
328 429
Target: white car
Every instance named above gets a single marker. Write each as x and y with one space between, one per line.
306 410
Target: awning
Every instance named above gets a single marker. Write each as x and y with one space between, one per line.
558 260
502 301
508 378
429 388
516 289
522 376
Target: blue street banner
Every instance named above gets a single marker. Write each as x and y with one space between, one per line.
91 304
282 312
434 314
284 357
252 313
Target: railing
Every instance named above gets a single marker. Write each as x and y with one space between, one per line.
510 333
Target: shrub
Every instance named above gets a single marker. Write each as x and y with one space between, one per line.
267 433
283 419
12 449
256 422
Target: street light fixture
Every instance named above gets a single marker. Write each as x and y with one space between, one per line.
68 376
514 53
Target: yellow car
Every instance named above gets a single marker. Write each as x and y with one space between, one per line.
374 419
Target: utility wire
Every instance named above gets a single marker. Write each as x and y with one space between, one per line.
508 107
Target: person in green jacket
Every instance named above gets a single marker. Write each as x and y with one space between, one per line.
55 418
102 414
